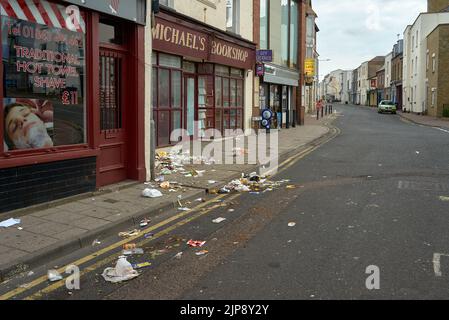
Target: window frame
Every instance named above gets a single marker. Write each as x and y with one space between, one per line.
156 109
16 158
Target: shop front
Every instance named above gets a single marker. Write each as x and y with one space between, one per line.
199 77
72 85
278 92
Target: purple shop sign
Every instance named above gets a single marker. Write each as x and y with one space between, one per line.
264 55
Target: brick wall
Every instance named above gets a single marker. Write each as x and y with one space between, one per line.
438 44
25 186
443 69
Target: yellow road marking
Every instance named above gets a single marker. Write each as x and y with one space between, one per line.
107 249
107 260
282 167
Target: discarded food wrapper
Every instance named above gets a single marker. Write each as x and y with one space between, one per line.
224 191
196 244
219 220
292 224
123 271
151 193
178 255
202 253
165 185
9 223
129 246
129 234
137 251
141 265
54 275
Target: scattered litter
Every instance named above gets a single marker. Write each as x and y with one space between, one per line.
200 200
141 265
160 179
224 191
128 234
443 198
31 273
136 251
290 187
151 193
123 271
178 255
219 220
196 244
129 246
96 242
20 228
144 223
149 235
184 209
231 210
202 253
54 275
211 182
165 185
9 223
417 152
292 224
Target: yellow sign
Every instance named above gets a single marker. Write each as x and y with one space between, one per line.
310 67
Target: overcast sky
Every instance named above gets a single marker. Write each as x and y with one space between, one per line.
354 31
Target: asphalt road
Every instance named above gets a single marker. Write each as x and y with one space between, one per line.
369 197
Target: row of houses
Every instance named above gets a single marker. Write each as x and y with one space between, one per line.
92 89
414 75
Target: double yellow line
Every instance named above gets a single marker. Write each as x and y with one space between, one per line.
202 211
114 246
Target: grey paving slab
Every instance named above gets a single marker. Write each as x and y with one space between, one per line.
43 213
100 213
29 221
65 217
49 228
73 232
75 207
90 223
25 241
8 254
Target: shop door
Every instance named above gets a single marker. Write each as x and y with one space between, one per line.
189 104
112 135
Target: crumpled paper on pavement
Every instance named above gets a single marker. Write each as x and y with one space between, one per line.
9 223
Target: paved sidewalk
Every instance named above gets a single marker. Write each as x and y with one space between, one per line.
69 225
426 120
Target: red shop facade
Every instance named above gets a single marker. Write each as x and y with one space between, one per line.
70 123
198 78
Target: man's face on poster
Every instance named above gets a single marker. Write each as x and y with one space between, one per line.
25 129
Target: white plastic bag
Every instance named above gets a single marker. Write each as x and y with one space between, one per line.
151 193
123 271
